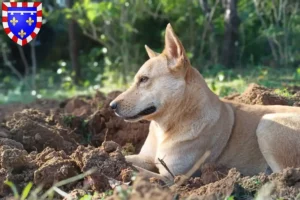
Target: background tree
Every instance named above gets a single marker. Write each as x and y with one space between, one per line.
73 47
231 33
99 44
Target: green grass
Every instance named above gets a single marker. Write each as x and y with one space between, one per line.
222 81
35 194
225 82
283 92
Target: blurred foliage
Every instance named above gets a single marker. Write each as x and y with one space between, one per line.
111 35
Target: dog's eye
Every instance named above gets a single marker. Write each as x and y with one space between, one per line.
143 79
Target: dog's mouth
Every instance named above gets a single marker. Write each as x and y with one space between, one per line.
147 111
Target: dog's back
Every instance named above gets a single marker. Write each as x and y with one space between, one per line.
243 150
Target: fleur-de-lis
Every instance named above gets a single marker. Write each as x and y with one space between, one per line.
29 21
14 21
22 33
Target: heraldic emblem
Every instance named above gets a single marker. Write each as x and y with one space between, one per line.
22 20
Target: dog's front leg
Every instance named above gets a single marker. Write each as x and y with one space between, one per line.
148 174
147 168
145 159
142 161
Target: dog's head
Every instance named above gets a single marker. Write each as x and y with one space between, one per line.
159 84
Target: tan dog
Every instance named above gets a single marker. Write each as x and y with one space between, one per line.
188 119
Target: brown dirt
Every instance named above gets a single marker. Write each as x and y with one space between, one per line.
53 166
49 141
285 185
6 111
16 164
43 142
35 131
107 159
142 189
105 122
83 106
256 94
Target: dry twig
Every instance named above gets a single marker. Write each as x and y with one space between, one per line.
162 162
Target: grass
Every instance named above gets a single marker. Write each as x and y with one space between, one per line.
283 92
222 81
225 82
29 194
36 194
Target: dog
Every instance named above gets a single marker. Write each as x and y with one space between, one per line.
188 120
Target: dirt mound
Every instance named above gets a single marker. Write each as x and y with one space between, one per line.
36 132
104 123
16 165
256 94
6 111
295 90
44 105
285 185
80 120
95 121
83 106
219 189
107 159
142 189
44 145
51 166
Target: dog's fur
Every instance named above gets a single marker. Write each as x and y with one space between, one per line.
190 120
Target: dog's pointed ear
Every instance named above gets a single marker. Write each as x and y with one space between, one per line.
174 49
150 52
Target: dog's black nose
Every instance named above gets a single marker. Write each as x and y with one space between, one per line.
113 105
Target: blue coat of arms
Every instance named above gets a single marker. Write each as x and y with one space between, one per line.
22 20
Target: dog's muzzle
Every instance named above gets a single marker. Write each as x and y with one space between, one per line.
144 112
148 111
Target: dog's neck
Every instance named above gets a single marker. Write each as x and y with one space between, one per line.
202 104
198 100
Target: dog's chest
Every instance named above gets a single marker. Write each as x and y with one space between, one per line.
178 159
176 151
159 135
